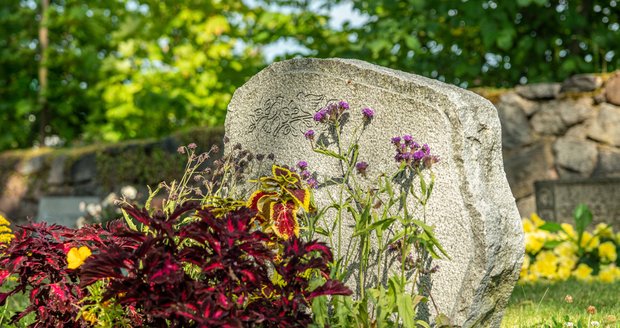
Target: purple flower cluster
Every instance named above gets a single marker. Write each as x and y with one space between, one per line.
411 153
309 135
332 112
361 168
306 175
368 114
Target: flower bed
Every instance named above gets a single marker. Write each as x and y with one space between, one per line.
557 252
211 256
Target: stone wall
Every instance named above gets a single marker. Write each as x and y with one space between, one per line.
96 170
550 131
559 131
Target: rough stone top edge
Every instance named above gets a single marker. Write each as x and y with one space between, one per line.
453 93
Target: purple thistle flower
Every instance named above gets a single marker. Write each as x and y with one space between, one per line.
361 168
427 149
309 134
312 183
319 116
418 155
302 165
305 174
368 113
396 140
343 105
408 139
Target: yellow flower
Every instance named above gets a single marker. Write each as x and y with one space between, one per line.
525 267
566 249
609 273
607 252
534 241
76 257
546 265
568 231
537 220
583 272
528 226
90 317
6 234
565 267
589 242
604 230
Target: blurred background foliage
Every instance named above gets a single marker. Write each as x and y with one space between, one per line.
75 71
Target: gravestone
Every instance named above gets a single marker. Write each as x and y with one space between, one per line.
472 208
62 210
557 199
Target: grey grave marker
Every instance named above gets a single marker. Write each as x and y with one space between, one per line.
63 210
557 199
472 208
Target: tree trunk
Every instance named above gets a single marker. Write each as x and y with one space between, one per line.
43 86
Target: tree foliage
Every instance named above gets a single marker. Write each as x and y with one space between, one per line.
474 42
121 69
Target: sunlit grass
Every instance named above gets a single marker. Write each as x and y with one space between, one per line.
546 305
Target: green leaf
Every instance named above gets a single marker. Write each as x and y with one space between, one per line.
325 151
583 218
551 227
129 221
428 230
381 225
319 311
405 310
552 244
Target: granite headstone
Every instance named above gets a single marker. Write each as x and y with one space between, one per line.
472 208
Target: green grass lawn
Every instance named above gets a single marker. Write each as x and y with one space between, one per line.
544 305
540 305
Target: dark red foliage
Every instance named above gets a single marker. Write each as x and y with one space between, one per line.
38 258
233 288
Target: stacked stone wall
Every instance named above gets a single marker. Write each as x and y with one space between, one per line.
567 130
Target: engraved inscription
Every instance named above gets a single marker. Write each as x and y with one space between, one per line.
279 116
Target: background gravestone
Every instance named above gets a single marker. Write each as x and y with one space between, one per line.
472 208
63 210
556 200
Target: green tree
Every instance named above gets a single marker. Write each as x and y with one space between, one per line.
474 42
175 65
78 36
120 69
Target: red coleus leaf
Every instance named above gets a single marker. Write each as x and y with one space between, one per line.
213 266
284 219
257 196
58 292
3 275
249 275
320 247
166 272
300 196
331 287
282 172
